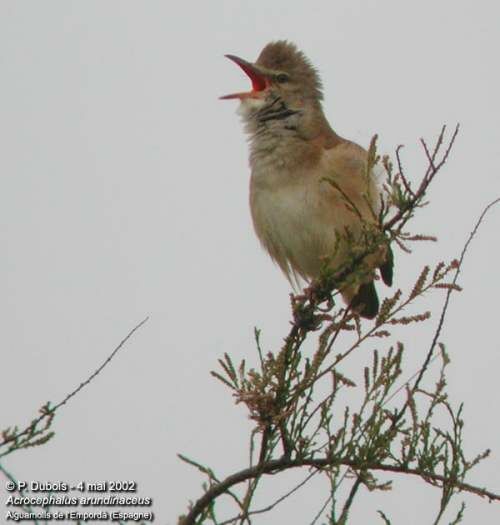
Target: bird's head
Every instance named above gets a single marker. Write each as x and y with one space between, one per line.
284 83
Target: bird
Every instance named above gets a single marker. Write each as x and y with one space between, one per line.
310 189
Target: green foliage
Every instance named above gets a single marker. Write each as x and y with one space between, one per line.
35 434
297 398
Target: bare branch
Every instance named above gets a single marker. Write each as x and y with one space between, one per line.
50 411
279 465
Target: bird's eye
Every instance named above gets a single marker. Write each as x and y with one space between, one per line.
282 78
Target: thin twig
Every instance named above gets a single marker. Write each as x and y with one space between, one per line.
444 310
406 184
321 510
50 411
274 504
402 214
101 368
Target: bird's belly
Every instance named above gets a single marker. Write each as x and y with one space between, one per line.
293 227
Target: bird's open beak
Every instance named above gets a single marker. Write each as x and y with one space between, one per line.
259 79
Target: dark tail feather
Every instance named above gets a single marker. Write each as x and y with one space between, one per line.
386 269
365 302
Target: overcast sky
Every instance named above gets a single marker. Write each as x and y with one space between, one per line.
124 194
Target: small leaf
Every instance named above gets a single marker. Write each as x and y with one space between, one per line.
225 381
420 282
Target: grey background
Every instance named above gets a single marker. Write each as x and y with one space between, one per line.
124 194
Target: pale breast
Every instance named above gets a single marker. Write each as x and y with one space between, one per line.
292 221
298 215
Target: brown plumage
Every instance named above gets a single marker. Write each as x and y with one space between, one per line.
297 215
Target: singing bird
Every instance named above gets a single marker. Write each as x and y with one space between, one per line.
301 218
